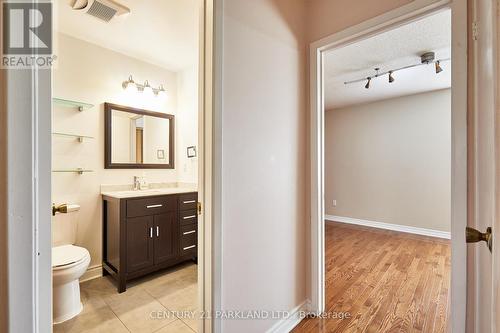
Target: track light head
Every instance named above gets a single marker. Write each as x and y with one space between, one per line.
367 86
391 78
438 68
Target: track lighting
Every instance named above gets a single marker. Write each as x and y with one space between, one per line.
132 87
438 67
391 78
367 86
425 59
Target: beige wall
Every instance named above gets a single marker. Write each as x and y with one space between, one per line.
390 161
326 17
264 149
89 73
265 203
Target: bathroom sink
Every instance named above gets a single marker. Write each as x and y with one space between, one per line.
148 192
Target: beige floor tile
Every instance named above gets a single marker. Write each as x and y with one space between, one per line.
175 327
192 323
138 310
96 320
184 299
107 311
186 272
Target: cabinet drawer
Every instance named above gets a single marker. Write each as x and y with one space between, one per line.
151 206
188 238
188 217
188 201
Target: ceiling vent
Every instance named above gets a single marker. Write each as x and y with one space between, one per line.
104 10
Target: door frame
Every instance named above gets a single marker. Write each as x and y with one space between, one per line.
25 117
387 21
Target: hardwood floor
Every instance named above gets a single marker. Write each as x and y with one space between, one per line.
386 281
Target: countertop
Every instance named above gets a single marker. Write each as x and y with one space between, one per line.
147 193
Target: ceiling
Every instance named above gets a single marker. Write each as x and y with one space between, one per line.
389 50
161 32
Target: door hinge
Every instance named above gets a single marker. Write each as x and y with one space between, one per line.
475 31
199 208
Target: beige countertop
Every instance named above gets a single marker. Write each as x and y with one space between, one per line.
147 193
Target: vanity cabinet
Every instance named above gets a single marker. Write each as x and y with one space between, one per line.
145 234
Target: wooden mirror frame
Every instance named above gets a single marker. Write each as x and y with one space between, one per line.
108 164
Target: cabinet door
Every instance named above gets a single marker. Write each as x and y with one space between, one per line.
139 243
166 237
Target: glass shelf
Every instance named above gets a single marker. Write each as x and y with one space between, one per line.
80 138
79 171
80 106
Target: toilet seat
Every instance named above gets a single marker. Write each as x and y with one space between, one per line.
67 256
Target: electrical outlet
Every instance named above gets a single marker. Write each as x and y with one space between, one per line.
334 203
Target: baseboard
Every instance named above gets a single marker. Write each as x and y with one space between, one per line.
93 272
293 318
389 226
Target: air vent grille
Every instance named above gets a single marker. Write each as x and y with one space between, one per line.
101 11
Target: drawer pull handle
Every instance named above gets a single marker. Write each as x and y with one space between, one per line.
189 217
188 202
189 232
154 206
189 247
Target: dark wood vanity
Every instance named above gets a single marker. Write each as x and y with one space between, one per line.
144 234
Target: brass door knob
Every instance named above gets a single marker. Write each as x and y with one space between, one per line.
473 236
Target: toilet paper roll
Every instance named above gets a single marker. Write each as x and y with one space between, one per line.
72 208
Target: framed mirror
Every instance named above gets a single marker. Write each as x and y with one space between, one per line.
137 138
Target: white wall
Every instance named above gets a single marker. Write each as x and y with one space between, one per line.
187 123
390 161
88 73
264 159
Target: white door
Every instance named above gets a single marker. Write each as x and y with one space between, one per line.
483 140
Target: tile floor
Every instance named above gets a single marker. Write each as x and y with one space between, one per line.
156 303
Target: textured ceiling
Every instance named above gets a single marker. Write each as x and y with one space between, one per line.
392 49
162 32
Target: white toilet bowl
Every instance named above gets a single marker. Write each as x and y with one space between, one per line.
69 263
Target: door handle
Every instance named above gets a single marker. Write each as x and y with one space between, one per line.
473 236
157 231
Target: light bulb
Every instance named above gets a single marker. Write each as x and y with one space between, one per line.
130 86
148 91
162 93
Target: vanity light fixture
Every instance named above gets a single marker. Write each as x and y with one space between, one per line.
131 86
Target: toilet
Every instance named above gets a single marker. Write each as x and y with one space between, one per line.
69 263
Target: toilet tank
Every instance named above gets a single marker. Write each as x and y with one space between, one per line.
64 229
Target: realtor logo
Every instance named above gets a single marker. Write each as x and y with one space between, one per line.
27 34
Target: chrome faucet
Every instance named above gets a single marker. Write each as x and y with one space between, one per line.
137 183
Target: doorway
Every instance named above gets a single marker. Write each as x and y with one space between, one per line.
373 27
37 272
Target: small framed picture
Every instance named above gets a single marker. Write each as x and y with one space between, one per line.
191 151
160 154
